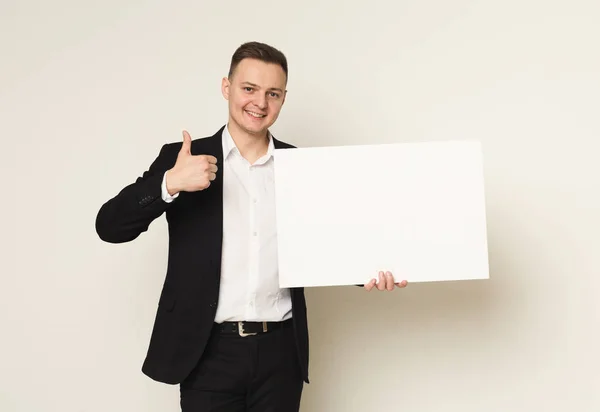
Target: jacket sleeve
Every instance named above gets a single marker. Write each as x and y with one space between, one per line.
124 217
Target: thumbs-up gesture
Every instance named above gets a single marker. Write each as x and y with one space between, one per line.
191 173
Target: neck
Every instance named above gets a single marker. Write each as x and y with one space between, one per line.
251 146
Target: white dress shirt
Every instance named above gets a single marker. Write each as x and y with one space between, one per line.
249 269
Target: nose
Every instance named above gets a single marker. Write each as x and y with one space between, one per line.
261 101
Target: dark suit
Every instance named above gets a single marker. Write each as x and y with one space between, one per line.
189 297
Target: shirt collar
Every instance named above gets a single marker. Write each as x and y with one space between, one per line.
229 145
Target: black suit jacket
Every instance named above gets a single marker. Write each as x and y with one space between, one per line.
189 298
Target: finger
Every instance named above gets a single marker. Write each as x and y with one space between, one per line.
381 283
370 285
389 281
402 284
211 159
212 176
187 143
212 168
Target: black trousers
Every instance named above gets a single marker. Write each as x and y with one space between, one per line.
257 373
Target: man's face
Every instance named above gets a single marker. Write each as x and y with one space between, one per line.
256 93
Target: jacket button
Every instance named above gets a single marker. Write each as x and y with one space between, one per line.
213 304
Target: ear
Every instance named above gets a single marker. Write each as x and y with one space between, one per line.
225 87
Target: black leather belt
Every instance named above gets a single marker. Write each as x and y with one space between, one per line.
251 328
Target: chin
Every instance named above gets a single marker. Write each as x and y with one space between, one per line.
256 128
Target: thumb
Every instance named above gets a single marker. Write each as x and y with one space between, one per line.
187 143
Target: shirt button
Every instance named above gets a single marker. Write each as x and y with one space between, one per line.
254 233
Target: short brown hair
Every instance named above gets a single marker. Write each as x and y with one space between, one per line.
259 51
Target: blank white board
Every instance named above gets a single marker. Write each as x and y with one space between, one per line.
415 209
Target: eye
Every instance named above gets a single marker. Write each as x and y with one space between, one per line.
273 94
248 88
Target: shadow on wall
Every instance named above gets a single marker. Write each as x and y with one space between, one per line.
369 339
420 305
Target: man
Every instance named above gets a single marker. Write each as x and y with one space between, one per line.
223 330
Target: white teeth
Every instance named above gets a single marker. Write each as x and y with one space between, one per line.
255 114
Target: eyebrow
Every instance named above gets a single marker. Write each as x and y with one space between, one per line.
257 86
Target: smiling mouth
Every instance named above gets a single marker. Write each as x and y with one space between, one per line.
256 115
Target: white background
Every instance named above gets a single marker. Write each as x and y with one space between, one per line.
89 93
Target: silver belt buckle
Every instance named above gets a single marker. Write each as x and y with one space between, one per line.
244 334
241 330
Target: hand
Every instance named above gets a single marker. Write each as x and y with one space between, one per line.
190 173
386 282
